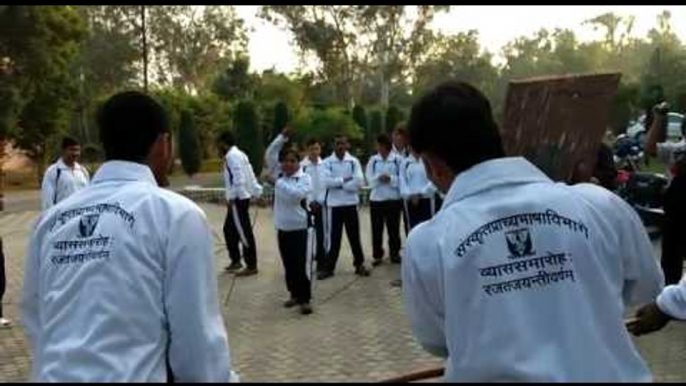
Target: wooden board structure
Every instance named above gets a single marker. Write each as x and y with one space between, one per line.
558 122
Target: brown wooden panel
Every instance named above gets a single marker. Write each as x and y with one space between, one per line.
557 122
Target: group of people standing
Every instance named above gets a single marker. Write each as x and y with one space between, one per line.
516 278
315 199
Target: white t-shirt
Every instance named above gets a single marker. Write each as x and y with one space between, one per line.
119 277
518 278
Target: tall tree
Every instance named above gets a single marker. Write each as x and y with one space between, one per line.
249 133
189 44
189 145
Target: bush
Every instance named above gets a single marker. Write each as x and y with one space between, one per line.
249 133
281 118
325 125
393 116
189 145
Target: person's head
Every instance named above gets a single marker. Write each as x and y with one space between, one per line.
314 148
135 128
290 160
383 145
71 151
225 141
453 129
340 145
400 137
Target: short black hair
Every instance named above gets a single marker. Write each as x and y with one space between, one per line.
289 150
130 122
454 122
312 141
68 142
384 140
226 137
401 129
339 136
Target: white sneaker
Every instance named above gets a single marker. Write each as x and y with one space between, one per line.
5 322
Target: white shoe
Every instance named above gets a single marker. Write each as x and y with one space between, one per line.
5 322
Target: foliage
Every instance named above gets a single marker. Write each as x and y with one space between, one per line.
189 145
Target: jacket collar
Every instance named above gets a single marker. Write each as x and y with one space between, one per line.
124 170
346 157
493 174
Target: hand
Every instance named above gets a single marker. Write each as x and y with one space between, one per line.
649 318
385 179
415 199
287 132
662 108
315 207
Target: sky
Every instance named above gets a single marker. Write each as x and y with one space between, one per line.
271 46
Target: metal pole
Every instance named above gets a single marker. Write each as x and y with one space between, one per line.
145 50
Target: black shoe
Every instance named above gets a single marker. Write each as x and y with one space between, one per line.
377 262
323 275
247 272
361 271
395 259
305 309
290 303
233 267
397 283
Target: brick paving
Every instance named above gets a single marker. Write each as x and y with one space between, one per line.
358 331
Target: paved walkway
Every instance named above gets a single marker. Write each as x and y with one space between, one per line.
358 331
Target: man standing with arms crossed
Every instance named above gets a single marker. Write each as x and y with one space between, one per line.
343 178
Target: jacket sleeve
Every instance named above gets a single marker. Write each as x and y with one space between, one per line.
329 180
357 182
30 300
672 300
294 193
643 278
372 178
48 188
272 153
198 343
423 290
395 177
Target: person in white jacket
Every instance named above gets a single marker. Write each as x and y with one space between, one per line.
312 166
417 191
385 206
343 179
64 177
291 192
119 278
241 185
518 278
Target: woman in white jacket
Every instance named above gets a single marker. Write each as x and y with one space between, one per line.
291 219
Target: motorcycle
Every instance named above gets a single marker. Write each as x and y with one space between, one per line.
642 190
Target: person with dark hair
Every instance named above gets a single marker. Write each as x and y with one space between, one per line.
312 166
671 303
400 144
291 191
4 322
119 280
64 177
241 185
672 154
383 176
514 262
343 179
